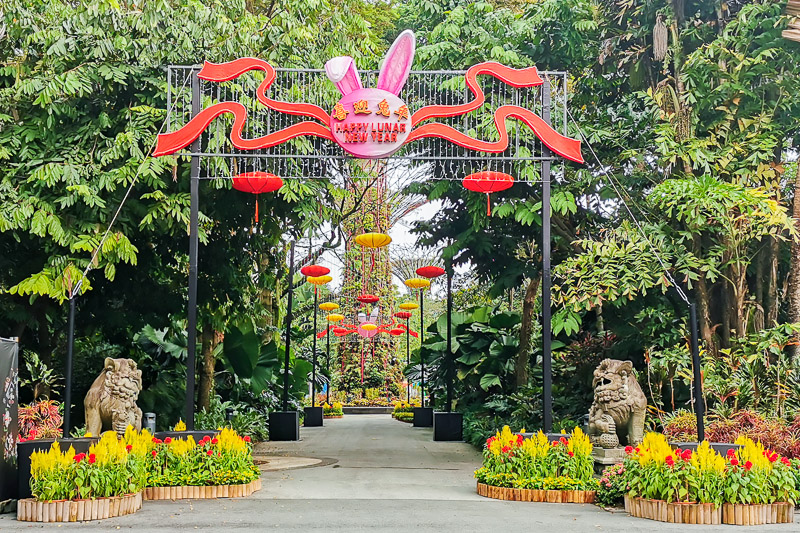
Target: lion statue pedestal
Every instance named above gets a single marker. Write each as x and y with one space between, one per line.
111 401
619 406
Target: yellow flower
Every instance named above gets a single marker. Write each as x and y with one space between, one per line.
180 426
706 459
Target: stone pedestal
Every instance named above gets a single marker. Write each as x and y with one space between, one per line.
423 417
313 417
608 456
448 427
284 425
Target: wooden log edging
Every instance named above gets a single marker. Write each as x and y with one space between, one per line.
532 495
188 492
33 510
709 514
333 416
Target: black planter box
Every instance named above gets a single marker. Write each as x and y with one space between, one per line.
719 447
423 417
448 427
284 425
313 417
25 449
197 435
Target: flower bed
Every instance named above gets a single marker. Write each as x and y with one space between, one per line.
404 407
332 411
108 480
223 460
533 469
404 417
749 486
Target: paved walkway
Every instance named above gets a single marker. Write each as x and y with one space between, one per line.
372 473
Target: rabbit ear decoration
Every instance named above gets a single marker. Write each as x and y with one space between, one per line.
397 63
362 317
343 73
374 314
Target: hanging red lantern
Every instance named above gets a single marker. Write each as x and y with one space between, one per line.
368 299
314 271
396 332
487 182
430 272
403 314
256 183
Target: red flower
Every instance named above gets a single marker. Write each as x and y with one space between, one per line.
77 458
92 458
555 443
637 449
773 458
563 441
687 455
731 452
219 454
786 461
735 462
210 452
246 438
214 441
154 453
167 440
506 449
32 433
571 454
155 440
669 460
748 465
129 447
520 438
628 450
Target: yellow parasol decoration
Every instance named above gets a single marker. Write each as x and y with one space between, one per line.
328 306
408 306
373 240
418 283
369 326
333 317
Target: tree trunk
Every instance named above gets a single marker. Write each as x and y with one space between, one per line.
725 329
758 290
703 302
772 301
794 269
210 340
526 327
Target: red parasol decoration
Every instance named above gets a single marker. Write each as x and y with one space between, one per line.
396 331
403 314
256 183
488 181
430 272
314 271
368 299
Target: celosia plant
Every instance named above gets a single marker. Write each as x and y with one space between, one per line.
752 474
510 460
222 460
332 410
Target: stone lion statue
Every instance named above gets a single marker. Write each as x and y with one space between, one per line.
111 401
619 406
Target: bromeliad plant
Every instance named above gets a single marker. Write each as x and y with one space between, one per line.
510 460
222 460
653 470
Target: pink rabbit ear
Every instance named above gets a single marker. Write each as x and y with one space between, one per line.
342 72
397 64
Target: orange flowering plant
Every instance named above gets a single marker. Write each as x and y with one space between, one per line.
510 460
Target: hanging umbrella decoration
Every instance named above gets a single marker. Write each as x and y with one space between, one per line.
406 315
487 182
421 284
317 276
372 241
427 273
328 307
256 183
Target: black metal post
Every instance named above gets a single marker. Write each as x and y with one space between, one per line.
421 337
449 357
547 415
314 354
328 363
68 389
290 285
191 315
699 403
408 358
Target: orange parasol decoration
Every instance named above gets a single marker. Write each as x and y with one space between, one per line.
256 183
315 271
487 182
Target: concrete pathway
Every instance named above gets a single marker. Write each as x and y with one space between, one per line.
372 473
